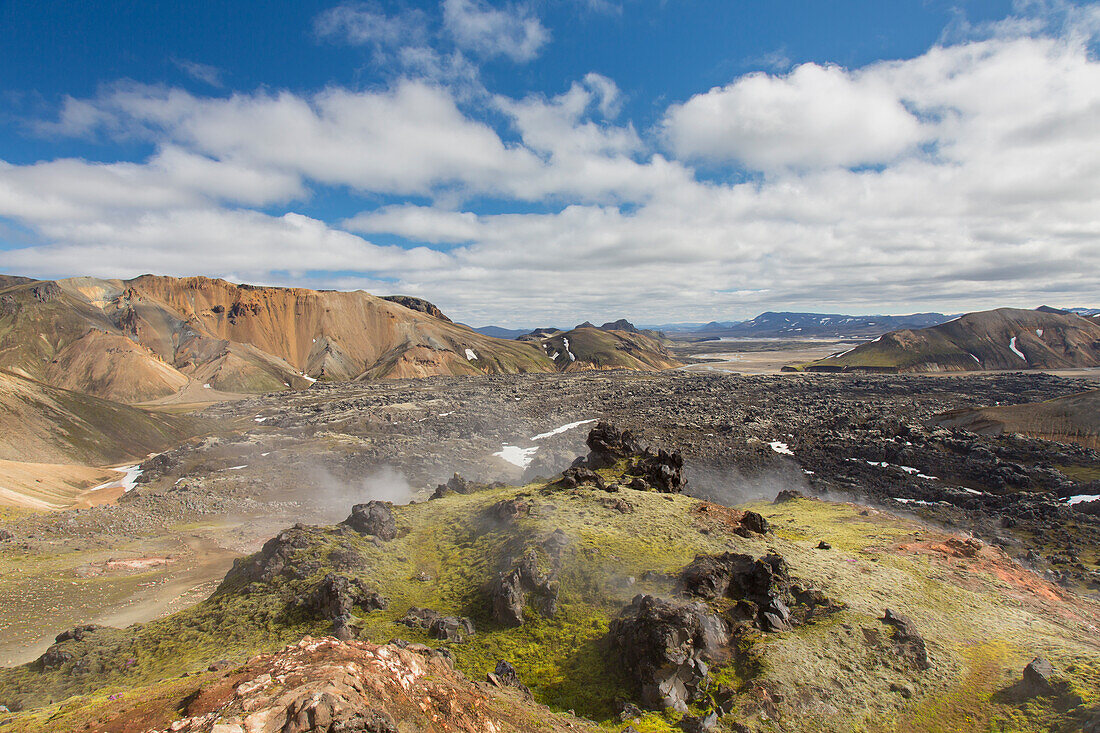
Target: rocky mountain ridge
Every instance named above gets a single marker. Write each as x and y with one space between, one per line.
158 337
1005 338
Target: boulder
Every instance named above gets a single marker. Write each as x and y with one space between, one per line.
335 597
523 581
788 495
1038 678
451 628
373 518
580 476
753 523
505 676
608 445
667 648
907 640
699 724
438 626
455 485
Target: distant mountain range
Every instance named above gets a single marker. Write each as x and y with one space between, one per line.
156 337
798 325
1005 338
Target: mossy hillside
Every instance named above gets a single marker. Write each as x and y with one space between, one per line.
981 630
455 542
825 674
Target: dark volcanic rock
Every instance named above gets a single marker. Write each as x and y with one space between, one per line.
508 511
788 495
609 445
336 596
1038 678
667 648
505 676
438 626
907 639
373 518
77 633
417 304
524 582
455 485
754 523
276 558
579 476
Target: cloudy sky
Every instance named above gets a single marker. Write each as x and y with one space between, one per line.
549 161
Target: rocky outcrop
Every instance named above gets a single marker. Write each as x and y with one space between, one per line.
609 445
908 642
667 649
438 626
373 518
417 304
275 559
505 675
764 594
643 469
335 598
329 686
529 580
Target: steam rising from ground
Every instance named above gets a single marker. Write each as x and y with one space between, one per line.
729 486
335 496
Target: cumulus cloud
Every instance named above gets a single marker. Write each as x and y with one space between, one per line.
964 177
815 116
513 31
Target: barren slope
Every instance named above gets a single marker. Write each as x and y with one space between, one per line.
595 348
1006 338
1074 419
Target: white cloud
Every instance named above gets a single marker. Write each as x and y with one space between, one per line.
512 31
982 193
418 223
202 241
205 73
367 24
816 116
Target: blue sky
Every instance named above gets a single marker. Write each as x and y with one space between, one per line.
563 160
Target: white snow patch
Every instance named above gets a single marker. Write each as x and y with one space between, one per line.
470 355
446 414
1039 332
920 502
555 355
207 386
566 342
1017 352
237 468
308 378
127 482
562 429
975 358
517 456
260 419
266 454
1082 497
781 448
807 471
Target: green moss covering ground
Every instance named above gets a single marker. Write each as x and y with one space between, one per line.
836 674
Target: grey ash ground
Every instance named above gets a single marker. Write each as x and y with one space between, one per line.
872 437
